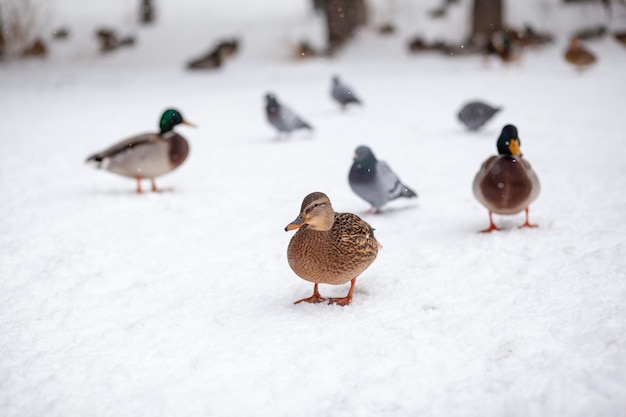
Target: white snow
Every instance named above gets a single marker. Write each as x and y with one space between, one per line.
180 303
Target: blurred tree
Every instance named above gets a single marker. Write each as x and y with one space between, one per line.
342 19
146 12
486 19
21 24
1 36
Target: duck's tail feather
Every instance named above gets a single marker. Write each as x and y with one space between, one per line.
95 161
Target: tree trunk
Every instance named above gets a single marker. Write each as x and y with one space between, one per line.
486 19
146 12
342 19
1 36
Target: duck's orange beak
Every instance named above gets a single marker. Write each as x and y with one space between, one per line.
514 147
296 224
186 123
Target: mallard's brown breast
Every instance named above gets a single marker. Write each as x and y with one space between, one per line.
506 185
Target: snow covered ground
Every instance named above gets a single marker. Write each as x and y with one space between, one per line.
180 303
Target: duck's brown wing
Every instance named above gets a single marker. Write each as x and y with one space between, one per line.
124 145
353 231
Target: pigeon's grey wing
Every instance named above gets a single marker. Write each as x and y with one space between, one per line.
388 180
290 120
476 114
344 94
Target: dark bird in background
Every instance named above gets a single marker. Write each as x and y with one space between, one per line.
476 113
61 33
591 33
110 40
506 183
227 47
342 93
304 49
216 56
620 37
577 55
374 181
36 49
529 37
211 60
281 117
503 45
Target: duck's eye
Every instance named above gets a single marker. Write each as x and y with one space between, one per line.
314 206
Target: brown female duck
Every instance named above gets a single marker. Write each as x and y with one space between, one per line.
329 248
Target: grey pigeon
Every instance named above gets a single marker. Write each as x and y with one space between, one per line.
281 117
475 114
343 94
374 181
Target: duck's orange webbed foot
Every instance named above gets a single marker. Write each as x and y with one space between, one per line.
344 301
315 298
527 223
491 227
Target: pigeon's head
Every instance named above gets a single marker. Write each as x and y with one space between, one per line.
364 155
508 142
271 102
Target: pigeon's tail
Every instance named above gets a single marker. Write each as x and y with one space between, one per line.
407 192
401 190
305 125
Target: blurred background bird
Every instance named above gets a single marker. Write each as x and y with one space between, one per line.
506 183
281 117
148 155
343 94
476 113
579 56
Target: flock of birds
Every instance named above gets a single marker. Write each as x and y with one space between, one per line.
329 247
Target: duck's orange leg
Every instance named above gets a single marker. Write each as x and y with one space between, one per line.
315 298
139 190
347 299
492 226
154 187
527 223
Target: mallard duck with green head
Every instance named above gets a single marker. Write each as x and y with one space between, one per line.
506 183
148 155
329 248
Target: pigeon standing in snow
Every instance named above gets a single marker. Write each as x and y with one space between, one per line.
281 117
475 114
343 94
374 181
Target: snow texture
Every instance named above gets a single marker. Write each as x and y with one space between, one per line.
180 303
